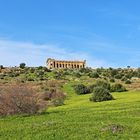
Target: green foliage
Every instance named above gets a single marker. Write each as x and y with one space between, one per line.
40 73
128 82
94 75
113 72
101 94
22 65
118 76
112 80
32 70
118 88
1 67
85 70
77 74
81 89
1 77
123 78
58 75
30 79
55 97
99 83
104 84
129 75
79 119
91 87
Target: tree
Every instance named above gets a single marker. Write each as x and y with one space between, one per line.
1 67
22 65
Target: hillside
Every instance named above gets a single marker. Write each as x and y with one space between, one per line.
78 118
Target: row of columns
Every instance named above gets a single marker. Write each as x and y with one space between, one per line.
66 65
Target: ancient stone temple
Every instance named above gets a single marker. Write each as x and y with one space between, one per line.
59 64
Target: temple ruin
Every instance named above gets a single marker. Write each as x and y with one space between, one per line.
59 64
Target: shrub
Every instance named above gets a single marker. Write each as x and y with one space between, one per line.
46 69
1 76
81 89
40 73
20 100
58 75
104 84
129 75
113 72
94 75
117 88
77 74
30 79
123 78
32 70
91 87
118 76
101 94
112 80
85 70
56 98
128 82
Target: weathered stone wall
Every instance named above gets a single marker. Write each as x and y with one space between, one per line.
57 64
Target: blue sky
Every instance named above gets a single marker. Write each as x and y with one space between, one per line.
104 32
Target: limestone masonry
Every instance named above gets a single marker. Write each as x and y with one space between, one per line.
59 64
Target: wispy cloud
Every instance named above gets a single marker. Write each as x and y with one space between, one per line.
14 52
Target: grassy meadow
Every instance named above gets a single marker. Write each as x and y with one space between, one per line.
79 118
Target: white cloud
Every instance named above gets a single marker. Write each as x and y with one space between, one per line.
14 52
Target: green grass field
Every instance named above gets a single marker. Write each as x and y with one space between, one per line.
79 119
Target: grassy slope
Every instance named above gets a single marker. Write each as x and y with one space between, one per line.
78 119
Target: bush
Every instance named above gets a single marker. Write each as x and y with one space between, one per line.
104 84
94 75
118 76
128 82
77 74
32 70
81 89
112 80
85 70
117 88
58 75
56 98
123 78
30 79
20 100
113 72
129 75
1 76
101 94
91 87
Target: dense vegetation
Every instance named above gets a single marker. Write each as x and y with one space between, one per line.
69 114
101 94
